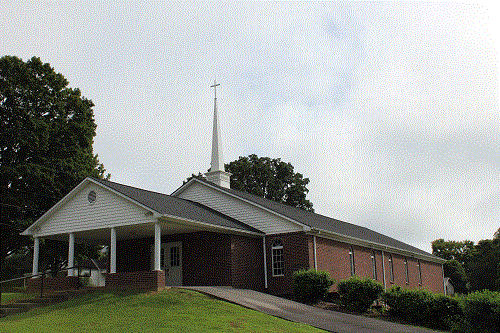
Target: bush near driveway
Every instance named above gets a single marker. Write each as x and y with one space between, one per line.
421 307
358 294
311 285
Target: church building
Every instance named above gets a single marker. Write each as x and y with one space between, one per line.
207 234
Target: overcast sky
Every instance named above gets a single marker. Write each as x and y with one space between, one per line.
389 108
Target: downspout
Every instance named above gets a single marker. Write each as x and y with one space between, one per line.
265 261
383 270
315 257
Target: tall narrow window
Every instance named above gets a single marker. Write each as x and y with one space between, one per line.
419 272
351 261
407 276
277 257
374 265
391 268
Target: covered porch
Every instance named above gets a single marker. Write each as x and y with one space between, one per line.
168 252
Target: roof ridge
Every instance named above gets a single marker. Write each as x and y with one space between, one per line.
296 211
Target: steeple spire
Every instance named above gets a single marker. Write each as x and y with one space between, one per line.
217 173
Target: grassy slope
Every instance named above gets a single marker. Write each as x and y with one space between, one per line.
10 297
171 310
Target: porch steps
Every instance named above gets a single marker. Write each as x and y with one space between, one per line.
23 305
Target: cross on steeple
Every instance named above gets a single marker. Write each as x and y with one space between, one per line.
215 88
217 173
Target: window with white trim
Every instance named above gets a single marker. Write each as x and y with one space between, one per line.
419 272
374 266
351 261
391 269
407 276
277 257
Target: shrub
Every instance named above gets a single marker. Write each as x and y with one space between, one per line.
311 285
358 294
421 307
481 312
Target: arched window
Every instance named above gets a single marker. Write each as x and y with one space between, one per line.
407 276
374 265
391 269
351 261
277 257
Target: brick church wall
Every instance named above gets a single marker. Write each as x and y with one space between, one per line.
146 280
206 257
333 256
296 256
247 257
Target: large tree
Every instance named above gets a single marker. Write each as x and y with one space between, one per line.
483 268
270 178
480 262
46 136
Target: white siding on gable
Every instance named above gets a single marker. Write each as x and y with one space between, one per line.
108 210
238 209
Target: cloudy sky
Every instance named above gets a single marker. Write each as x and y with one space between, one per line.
389 108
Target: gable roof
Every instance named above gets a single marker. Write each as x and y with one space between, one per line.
318 221
160 204
169 205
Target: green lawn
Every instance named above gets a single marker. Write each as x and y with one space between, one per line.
10 297
171 310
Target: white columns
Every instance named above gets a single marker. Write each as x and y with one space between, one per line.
71 254
157 247
112 264
36 254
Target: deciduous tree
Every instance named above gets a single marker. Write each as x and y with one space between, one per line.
46 137
270 178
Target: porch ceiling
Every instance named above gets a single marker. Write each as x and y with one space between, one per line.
103 236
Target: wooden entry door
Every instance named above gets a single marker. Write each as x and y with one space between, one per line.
172 263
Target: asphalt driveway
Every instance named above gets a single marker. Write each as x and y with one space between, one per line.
325 319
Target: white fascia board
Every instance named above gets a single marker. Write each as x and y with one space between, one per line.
53 209
183 187
304 226
373 245
182 220
67 197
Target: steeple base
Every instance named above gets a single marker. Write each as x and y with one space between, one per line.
220 178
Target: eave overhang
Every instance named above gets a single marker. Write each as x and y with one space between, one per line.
373 245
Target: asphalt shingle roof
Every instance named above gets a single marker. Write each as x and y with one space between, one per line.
167 204
319 221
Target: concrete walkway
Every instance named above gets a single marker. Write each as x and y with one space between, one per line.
325 319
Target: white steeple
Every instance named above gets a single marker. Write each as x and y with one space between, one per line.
217 173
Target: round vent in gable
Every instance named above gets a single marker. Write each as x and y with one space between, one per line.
92 197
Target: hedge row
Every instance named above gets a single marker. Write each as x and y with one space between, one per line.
472 313
422 307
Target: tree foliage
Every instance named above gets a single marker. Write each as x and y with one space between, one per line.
453 250
46 138
484 266
480 261
270 178
456 272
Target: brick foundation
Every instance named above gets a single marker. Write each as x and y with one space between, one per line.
144 280
53 283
